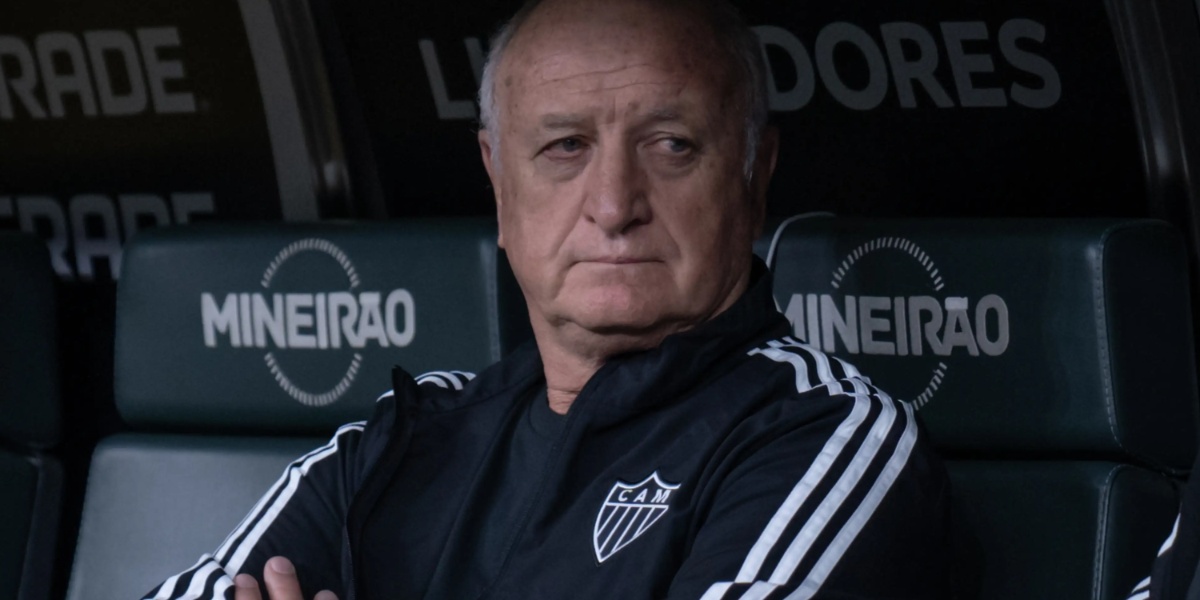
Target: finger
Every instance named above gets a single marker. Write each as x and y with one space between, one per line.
280 577
325 595
246 588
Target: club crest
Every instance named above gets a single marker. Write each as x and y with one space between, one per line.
628 511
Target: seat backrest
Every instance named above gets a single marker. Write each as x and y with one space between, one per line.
1051 360
307 319
237 345
29 383
30 479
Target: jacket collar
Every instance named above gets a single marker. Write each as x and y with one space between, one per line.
687 359
638 380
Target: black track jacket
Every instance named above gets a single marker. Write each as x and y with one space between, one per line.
732 461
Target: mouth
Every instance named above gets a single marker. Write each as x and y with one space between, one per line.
619 260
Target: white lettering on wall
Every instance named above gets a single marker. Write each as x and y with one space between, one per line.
52 76
88 230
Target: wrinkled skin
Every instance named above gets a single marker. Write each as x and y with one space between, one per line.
620 191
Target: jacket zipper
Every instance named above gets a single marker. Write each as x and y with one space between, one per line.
351 591
497 589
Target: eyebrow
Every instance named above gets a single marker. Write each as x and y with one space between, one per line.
560 121
668 113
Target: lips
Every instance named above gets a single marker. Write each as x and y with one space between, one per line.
618 260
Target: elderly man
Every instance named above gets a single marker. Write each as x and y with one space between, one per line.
665 438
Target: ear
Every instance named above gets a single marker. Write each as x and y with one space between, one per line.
764 168
493 171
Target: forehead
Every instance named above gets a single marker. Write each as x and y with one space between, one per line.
600 52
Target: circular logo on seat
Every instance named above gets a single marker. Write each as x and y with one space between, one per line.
313 318
886 298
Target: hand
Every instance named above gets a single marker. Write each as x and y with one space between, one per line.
280 576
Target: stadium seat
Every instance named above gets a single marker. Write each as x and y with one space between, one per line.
134 115
30 477
1052 362
240 348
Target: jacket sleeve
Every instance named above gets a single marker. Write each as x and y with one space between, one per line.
301 516
1176 571
1167 580
847 502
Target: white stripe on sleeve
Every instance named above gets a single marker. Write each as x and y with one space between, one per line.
717 591
269 499
168 587
1170 541
833 554
837 496
295 473
199 582
1143 584
837 500
853 477
434 379
446 379
799 494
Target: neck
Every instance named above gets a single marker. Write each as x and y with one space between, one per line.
565 377
561 389
571 358
571 355
566 372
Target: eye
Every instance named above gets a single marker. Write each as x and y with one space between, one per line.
565 148
674 151
676 145
670 154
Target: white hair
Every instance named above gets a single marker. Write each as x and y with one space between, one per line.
738 42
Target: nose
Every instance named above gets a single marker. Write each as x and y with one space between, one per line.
615 197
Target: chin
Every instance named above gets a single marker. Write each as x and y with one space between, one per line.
621 327
622 309
610 337
612 317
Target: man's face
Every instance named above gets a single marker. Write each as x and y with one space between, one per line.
622 200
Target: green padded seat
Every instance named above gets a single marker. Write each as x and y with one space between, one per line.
1052 362
306 319
30 475
240 348
1060 529
29 385
156 503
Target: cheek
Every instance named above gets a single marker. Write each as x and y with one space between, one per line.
521 210
535 224
713 222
